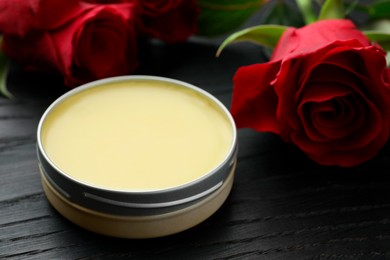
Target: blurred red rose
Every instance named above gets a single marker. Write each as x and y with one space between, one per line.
168 20
325 89
18 17
91 39
95 41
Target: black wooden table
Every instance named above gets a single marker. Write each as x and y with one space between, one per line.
282 206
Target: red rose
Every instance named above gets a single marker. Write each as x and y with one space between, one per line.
18 17
101 43
96 41
325 89
168 20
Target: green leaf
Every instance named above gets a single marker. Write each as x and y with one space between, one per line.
379 32
379 9
222 16
3 75
307 10
382 38
332 9
266 35
282 12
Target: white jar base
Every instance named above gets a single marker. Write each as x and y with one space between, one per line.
139 226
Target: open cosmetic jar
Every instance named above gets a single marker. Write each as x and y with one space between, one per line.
137 156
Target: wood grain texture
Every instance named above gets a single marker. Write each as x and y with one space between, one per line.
282 206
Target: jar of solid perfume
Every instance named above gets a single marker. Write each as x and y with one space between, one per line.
137 156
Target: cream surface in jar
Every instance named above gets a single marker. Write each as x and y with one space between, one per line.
139 135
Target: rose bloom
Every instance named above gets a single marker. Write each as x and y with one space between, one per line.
326 89
168 20
19 17
89 41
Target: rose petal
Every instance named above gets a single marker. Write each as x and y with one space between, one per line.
352 157
347 117
340 77
254 100
342 115
324 91
386 78
318 35
318 99
358 139
285 88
